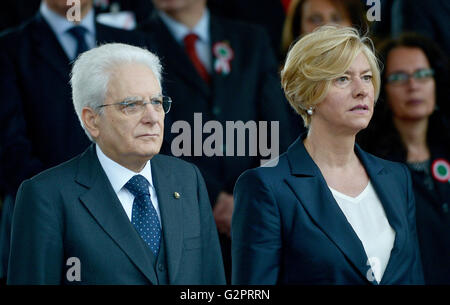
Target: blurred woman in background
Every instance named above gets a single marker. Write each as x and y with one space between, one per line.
304 16
409 126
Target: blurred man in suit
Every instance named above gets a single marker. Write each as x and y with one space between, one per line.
39 128
121 211
227 72
35 93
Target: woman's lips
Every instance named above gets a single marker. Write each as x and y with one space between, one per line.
360 108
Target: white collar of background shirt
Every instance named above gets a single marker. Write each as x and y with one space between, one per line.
179 30
60 24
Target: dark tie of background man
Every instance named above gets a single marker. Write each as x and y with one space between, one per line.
189 44
78 33
144 216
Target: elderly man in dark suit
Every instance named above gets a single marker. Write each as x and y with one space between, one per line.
120 212
39 128
226 71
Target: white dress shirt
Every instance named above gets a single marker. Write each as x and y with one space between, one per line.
118 176
368 219
60 25
203 43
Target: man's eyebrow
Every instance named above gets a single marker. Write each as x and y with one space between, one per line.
132 98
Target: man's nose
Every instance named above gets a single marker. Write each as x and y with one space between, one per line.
150 114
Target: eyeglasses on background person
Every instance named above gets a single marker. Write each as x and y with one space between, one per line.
400 78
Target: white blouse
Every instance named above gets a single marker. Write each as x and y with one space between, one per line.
368 219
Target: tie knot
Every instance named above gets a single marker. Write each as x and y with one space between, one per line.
138 186
190 39
78 32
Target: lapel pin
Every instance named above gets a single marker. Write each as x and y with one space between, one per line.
223 54
176 195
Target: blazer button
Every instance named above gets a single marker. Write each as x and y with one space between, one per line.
160 267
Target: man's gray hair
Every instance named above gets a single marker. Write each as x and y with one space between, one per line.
92 70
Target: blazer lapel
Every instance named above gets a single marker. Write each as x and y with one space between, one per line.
311 190
387 190
103 204
171 214
48 46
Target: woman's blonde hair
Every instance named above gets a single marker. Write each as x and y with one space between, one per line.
317 59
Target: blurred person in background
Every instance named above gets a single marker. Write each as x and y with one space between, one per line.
409 127
303 16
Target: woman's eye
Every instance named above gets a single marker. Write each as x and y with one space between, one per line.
367 77
342 79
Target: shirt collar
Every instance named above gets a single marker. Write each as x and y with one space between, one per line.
179 30
60 25
119 175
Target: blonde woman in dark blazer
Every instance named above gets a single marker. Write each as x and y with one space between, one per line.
326 212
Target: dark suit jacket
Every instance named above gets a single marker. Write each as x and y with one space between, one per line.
38 125
251 91
72 211
267 13
288 229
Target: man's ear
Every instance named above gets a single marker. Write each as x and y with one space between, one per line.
89 117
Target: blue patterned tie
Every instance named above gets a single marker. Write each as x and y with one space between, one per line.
143 216
78 33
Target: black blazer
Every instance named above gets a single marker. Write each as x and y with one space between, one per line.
251 91
38 125
72 211
288 229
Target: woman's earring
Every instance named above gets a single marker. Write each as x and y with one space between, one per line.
309 111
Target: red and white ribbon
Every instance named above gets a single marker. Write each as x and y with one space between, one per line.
223 56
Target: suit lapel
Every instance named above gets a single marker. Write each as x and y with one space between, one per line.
311 189
388 192
171 214
175 58
103 204
48 46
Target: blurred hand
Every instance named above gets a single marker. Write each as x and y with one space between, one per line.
223 210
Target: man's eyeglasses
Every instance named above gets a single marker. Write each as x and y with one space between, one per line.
400 78
136 105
